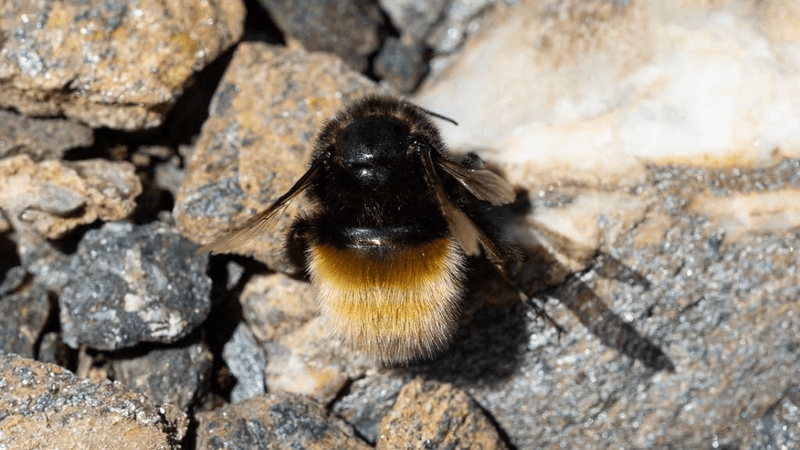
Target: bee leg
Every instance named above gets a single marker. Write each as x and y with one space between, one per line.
297 241
493 255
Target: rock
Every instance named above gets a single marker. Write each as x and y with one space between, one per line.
40 138
683 322
428 414
52 350
301 356
275 305
597 91
257 140
369 400
180 375
780 425
351 29
275 421
247 361
456 22
168 176
402 64
43 260
54 197
13 275
119 65
308 361
413 19
23 315
653 146
133 284
45 406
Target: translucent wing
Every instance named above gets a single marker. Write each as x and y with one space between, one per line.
464 230
482 183
264 220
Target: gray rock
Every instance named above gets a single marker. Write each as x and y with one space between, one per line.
455 25
41 258
680 332
23 315
779 428
247 361
369 400
47 405
301 356
133 284
169 176
13 277
272 422
52 350
180 375
414 19
350 29
402 63
114 64
40 138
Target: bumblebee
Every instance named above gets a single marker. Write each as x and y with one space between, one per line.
393 221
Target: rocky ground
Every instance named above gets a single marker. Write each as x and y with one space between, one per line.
654 146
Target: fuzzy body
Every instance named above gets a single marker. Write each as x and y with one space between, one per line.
396 306
387 272
393 219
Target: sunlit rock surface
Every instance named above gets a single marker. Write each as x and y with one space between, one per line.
595 91
114 64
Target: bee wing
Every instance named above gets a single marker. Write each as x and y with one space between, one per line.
482 183
461 226
264 220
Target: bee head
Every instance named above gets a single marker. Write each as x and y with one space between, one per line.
370 148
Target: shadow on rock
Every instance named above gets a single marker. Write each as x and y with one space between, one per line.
493 340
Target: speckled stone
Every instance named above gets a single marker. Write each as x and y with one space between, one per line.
456 22
53 197
428 414
309 361
40 138
301 355
23 315
275 305
403 60
368 400
412 18
257 140
114 64
681 330
45 406
401 63
53 350
350 29
273 422
179 375
134 284
247 361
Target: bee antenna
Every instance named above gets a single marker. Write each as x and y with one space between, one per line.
438 116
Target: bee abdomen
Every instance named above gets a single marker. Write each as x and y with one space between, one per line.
394 308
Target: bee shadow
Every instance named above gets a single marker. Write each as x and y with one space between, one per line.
493 341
